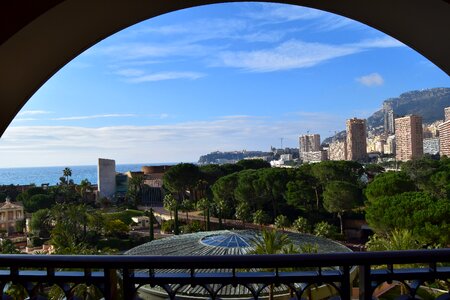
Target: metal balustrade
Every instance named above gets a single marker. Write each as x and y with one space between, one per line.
120 276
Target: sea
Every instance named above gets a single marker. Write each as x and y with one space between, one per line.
51 175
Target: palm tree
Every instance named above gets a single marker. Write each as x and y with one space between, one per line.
398 239
205 205
169 203
270 242
82 188
260 218
67 172
186 207
134 191
281 222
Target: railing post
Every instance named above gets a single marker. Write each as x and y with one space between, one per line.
127 284
346 285
365 284
111 292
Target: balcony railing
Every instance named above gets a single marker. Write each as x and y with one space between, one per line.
120 276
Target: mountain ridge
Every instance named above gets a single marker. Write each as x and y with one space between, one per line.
428 103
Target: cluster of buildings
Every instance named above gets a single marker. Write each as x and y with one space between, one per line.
404 137
112 184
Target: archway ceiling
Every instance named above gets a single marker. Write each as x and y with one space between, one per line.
37 38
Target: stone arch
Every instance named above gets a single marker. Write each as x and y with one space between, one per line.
39 37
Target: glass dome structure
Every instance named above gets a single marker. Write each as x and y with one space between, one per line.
224 242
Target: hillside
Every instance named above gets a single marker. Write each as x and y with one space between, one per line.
429 104
219 157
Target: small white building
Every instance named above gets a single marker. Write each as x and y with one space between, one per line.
141 221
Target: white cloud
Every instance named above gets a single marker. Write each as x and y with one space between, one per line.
293 54
93 117
139 51
166 76
381 42
130 72
296 54
33 112
18 119
71 145
373 79
282 13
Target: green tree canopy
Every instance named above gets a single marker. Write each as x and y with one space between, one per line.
231 168
326 171
253 164
224 192
38 201
41 223
211 173
426 216
420 170
339 197
389 184
271 186
180 178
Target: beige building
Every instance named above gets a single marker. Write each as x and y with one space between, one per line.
447 114
337 150
356 139
309 143
376 144
389 147
444 138
10 213
315 156
408 137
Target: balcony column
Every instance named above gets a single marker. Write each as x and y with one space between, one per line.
365 284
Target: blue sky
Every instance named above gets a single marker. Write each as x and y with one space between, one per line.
218 77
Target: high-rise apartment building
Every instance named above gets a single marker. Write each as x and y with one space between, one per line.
309 143
444 134
337 150
309 149
447 114
389 118
356 139
409 137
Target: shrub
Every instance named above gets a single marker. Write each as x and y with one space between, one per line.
301 225
168 226
324 229
281 222
116 228
194 226
124 216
